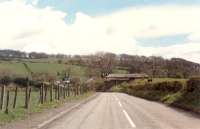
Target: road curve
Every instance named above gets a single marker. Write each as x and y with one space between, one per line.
121 111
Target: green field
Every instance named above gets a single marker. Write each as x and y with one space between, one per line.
17 68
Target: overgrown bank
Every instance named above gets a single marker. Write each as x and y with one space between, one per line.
179 93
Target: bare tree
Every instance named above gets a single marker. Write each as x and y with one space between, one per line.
104 61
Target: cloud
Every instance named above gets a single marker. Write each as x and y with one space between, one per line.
26 27
35 2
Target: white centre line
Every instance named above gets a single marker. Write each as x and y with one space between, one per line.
119 103
129 119
125 113
116 98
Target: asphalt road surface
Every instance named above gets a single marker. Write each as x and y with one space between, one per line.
121 111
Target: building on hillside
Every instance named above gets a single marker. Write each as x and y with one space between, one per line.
117 78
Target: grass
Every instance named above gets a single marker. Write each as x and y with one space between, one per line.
21 113
52 68
17 68
120 71
158 80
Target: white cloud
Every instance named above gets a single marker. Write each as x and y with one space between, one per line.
26 27
35 2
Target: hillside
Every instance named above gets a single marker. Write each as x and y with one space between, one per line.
104 62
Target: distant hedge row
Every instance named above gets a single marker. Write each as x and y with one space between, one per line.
6 80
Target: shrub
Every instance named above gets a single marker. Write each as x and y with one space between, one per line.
5 80
21 81
99 84
168 86
193 85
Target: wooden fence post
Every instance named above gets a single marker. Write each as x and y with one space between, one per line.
26 97
42 94
40 97
7 101
74 91
81 89
2 97
68 90
58 92
29 95
64 92
55 92
77 90
61 92
51 93
45 93
15 97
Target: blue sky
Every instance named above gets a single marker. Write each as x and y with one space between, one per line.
163 41
98 7
102 7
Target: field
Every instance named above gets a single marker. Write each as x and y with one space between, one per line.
17 68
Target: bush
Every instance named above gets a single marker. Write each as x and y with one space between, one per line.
193 85
100 85
5 80
21 81
168 86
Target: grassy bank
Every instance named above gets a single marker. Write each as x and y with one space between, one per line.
21 113
173 92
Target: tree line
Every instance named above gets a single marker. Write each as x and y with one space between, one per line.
107 62
153 66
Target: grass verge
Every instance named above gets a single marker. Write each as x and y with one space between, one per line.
34 107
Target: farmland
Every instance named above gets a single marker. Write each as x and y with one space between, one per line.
17 68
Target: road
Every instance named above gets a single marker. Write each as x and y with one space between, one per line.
121 111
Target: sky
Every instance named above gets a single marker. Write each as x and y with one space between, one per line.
167 28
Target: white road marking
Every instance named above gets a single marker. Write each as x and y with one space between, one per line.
119 103
116 98
125 113
129 119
